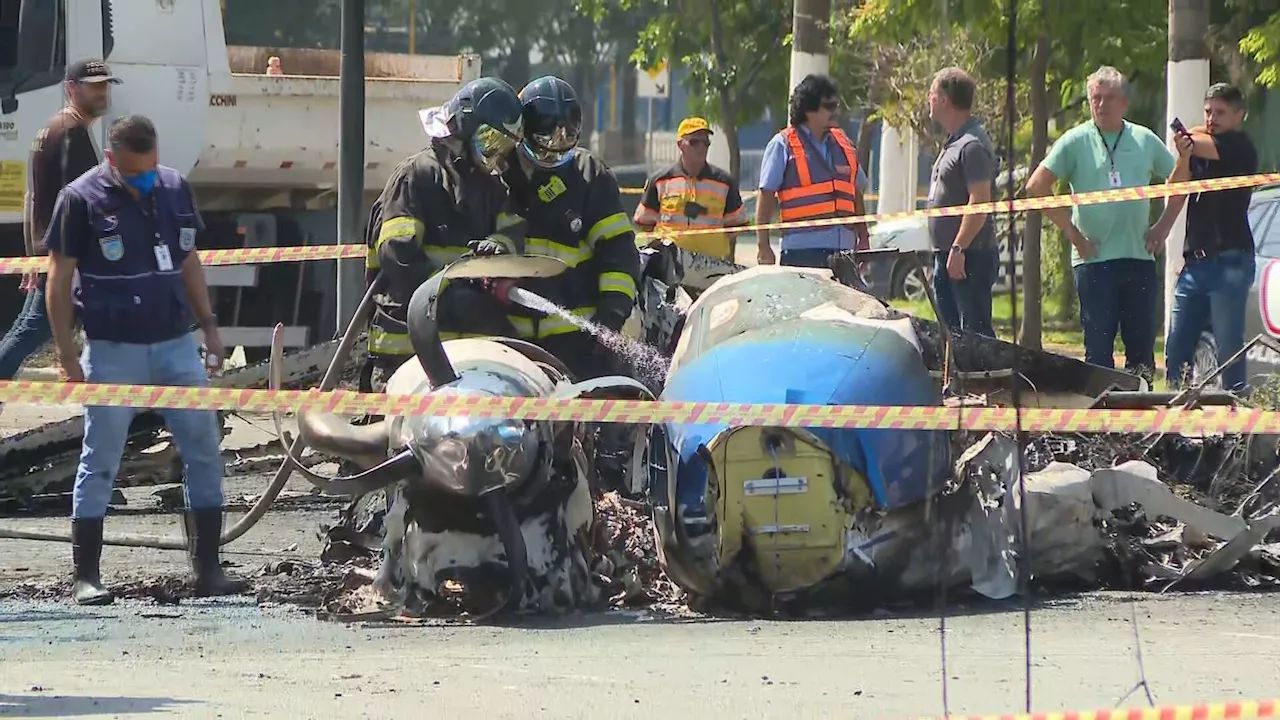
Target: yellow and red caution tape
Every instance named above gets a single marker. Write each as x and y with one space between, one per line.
1236 710
1199 421
250 256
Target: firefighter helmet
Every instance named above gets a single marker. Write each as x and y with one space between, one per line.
486 116
552 121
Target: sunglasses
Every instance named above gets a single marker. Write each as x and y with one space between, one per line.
831 105
699 142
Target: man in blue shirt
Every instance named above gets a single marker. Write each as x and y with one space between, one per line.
826 159
125 233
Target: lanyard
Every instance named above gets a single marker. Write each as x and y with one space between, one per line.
1111 151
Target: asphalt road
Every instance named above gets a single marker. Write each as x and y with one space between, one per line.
232 658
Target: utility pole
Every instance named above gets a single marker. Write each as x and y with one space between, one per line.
810 40
350 155
1188 79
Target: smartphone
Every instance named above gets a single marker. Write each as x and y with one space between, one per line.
1178 127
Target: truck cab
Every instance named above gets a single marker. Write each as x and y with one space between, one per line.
260 150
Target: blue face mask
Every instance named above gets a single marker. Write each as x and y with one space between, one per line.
144 182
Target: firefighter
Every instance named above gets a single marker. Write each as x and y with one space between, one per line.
446 201
571 202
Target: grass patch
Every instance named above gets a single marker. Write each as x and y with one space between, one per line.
1055 337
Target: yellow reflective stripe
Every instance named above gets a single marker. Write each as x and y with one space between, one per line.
399 227
618 282
506 220
460 335
556 325
371 261
611 226
382 342
443 255
523 325
568 254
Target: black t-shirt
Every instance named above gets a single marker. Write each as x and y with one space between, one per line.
1219 220
61 153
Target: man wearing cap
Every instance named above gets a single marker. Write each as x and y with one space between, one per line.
62 152
693 194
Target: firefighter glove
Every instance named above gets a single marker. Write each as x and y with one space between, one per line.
488 246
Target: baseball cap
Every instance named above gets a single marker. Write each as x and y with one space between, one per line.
689 126
94 71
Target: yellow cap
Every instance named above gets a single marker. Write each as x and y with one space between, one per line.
689 126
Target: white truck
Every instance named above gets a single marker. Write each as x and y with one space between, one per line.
261 151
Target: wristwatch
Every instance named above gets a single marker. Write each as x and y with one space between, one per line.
957 249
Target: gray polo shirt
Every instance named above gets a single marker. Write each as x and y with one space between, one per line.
967 157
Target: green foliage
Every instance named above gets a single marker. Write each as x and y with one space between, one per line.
731 50
1262 44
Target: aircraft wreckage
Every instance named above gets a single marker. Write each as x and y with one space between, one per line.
755 518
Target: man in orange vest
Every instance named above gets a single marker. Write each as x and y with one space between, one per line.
810 172
693 193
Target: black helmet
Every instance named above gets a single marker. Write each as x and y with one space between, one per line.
552 121
486 115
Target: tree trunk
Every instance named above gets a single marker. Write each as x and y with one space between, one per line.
865 132
516 68
1032 307
728 108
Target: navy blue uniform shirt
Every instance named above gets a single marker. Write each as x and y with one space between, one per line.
128 253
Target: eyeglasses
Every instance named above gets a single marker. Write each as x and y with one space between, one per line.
831 105
699 142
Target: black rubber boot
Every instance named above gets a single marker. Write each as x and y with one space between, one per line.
86 553
204 528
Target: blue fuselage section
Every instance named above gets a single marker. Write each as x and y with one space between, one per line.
818 362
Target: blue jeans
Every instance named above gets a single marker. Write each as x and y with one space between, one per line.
1119 295
197 433
965 305
806 257
30 331
1211 293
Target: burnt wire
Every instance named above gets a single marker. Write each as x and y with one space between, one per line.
1024 564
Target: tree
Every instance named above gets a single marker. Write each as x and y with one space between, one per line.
1059 45
730 50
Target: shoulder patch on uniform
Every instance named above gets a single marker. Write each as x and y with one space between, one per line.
112 247
187 239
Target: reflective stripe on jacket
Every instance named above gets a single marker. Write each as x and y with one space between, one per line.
812 189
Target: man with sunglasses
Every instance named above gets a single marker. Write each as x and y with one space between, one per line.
810 171
693 193
444 202
574 211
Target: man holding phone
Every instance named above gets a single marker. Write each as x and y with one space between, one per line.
1212 289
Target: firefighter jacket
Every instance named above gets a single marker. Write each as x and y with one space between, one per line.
813 190
575 213
433 204
674 200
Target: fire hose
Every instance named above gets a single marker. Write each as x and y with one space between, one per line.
264 502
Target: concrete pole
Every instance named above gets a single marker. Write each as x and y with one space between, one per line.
1188 79
810 40
350 156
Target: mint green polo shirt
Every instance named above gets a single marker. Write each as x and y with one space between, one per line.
1118 229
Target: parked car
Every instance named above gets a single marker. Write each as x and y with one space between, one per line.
903 278
1263 316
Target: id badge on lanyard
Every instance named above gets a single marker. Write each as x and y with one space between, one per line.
164 259
1113 177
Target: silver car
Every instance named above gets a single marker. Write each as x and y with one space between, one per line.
1263 310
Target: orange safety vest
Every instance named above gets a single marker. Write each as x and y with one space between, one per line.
817 192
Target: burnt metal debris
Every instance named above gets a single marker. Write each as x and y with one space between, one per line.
38 467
